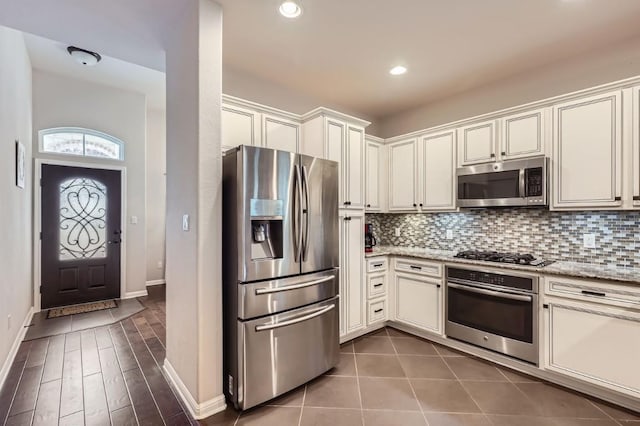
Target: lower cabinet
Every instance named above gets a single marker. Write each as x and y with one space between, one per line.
418 301
352 279
595 343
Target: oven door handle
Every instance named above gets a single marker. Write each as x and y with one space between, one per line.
491 293
297 320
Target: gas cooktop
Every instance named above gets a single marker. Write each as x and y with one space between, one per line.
494 256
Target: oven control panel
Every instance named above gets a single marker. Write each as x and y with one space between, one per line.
495 279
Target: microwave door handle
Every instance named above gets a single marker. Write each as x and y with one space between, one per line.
499 294
307 213
521 181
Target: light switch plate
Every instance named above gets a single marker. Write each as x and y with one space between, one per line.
185 222
134 220
589 240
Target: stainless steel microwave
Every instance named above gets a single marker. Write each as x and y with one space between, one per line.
505 184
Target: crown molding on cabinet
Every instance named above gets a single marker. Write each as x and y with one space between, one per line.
620 84
243 103
374 139
322 111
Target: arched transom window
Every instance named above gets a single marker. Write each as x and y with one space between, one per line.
83 142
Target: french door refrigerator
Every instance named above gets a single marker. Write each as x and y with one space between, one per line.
280 272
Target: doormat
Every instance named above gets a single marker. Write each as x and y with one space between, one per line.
81 309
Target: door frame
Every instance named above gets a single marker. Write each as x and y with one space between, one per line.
37 221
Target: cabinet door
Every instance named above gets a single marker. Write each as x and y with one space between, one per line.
373 183
636 146
418 302
477 143
522 135
240 126
354 167
352 296
403 175
587 152
595 343
280 133
335 151
438 171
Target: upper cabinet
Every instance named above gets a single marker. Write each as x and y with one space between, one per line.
636 146
240 126
280 133
477 143
514 136
403 174
374 174
587 152
523 135
437 170
340 138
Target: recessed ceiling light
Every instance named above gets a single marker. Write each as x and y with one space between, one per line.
398 70
290 9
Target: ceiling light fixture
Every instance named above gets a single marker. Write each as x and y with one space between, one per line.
290 9
85 57
398 70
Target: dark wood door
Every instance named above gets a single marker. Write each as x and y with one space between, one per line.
81 235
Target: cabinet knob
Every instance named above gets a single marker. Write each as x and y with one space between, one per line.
504 154
493 155
415 205
347 203
368 205
420 204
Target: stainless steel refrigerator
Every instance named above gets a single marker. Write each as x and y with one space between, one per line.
280 272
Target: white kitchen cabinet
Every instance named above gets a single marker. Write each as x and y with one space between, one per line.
352 276
280 133
403 174
594 343
587 145
418 301
373 175
240 126
636 146
523 135
437 169
477 143
340 138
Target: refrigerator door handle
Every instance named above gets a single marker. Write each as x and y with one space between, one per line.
297 320
260 291
305 244
297 220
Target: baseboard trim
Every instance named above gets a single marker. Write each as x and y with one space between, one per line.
197 410
14 348
155 282
134 294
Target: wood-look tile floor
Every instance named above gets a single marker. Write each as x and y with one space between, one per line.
112 375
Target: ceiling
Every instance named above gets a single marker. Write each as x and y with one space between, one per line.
51 56
339 52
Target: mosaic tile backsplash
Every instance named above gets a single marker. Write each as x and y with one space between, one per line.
546 234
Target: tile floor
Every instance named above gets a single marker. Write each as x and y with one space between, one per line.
390 378
42 327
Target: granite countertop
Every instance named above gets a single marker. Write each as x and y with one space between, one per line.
573 269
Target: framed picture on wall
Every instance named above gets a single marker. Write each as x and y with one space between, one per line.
20 154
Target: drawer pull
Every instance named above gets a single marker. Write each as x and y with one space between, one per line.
377 285
260 291
417 268
593 293
377 311
297 320
377 265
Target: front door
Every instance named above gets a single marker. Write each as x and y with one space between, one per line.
81 235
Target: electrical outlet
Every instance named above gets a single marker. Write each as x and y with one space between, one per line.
397 232
9 322
185 222
159 265
449 234
589 240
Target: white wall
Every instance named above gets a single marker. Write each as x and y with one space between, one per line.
60 101
599 67
15 207
156 193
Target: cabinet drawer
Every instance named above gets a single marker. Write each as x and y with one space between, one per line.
377 311
422 267
376 264
376 286
604 292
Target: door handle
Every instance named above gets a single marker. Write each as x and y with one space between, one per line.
297 222
303 318
305 238
115 241
260 291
